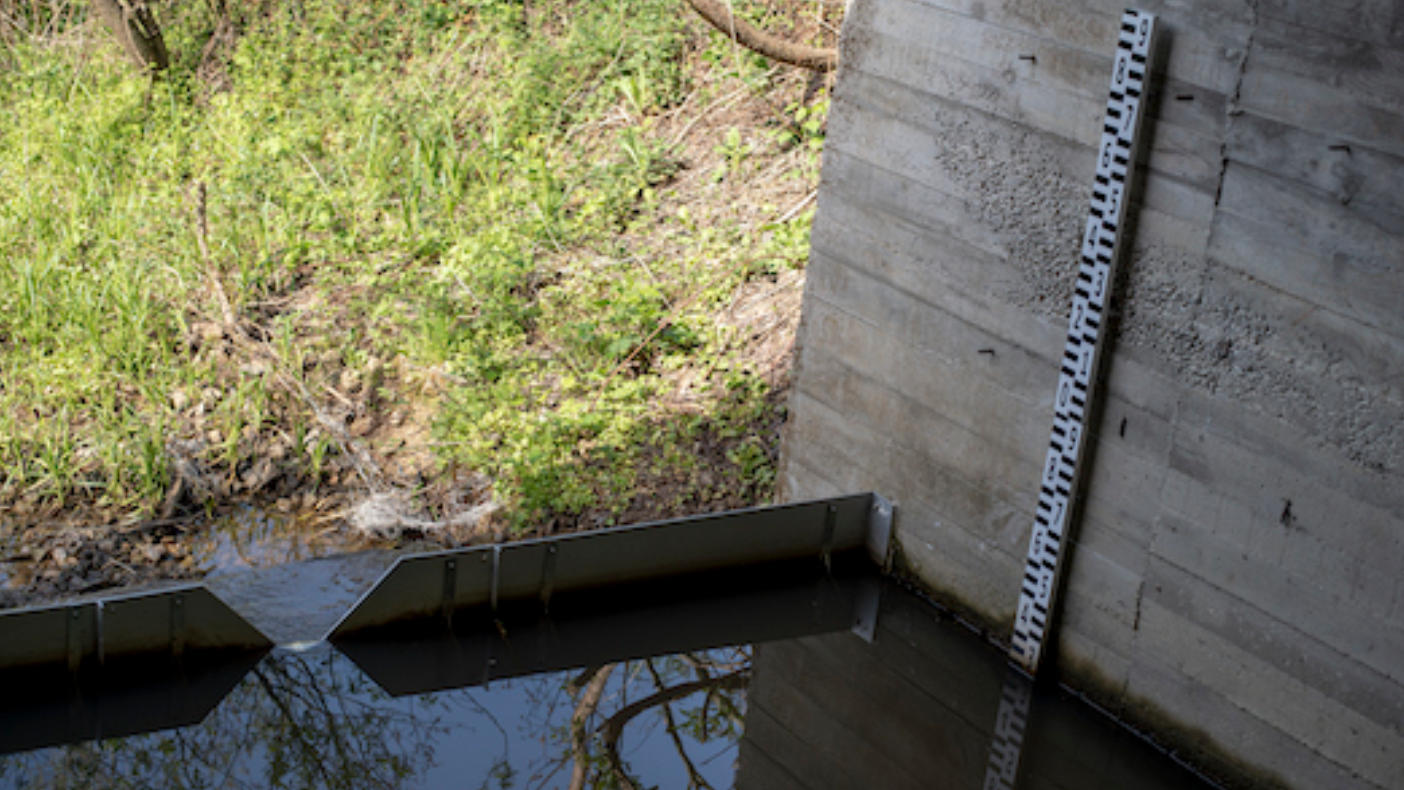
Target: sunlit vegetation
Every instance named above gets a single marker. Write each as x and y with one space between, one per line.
486 237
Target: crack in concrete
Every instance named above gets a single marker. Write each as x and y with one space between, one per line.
1232 108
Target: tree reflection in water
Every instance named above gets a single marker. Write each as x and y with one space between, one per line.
313 720
708 689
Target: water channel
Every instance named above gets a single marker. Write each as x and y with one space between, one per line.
750 681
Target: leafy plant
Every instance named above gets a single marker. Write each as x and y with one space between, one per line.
480 194
734 152
806 125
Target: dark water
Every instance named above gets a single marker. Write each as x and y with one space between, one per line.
770 687
313 719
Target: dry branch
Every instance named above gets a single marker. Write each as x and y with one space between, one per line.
131 21
720 16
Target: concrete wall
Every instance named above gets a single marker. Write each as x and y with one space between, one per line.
1237 571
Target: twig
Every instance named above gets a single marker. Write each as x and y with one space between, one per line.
345 401
721 104
589 88
328 530
695 779
124 566
798 207
315 172
614 725
202 234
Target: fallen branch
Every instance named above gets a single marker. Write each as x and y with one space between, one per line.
720 16
134 26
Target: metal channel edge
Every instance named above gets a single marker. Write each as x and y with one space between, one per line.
190 617
433 660
171 620
434 584
879 542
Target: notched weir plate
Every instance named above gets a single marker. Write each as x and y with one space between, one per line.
438 584
102 668
88 633
646 622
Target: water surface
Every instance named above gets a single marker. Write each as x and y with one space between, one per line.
789 686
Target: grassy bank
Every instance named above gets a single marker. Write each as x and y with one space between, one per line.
538 252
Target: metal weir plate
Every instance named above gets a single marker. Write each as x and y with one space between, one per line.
103 668
171 621
440 585
1101 245
759 607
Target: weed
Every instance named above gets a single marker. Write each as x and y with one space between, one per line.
734 153
450 185
806 125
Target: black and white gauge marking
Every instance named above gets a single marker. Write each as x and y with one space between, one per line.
1101 243
1011 720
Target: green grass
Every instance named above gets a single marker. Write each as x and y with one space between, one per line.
471 193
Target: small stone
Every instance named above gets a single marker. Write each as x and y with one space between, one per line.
214 436
60 555
179 400
284 505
